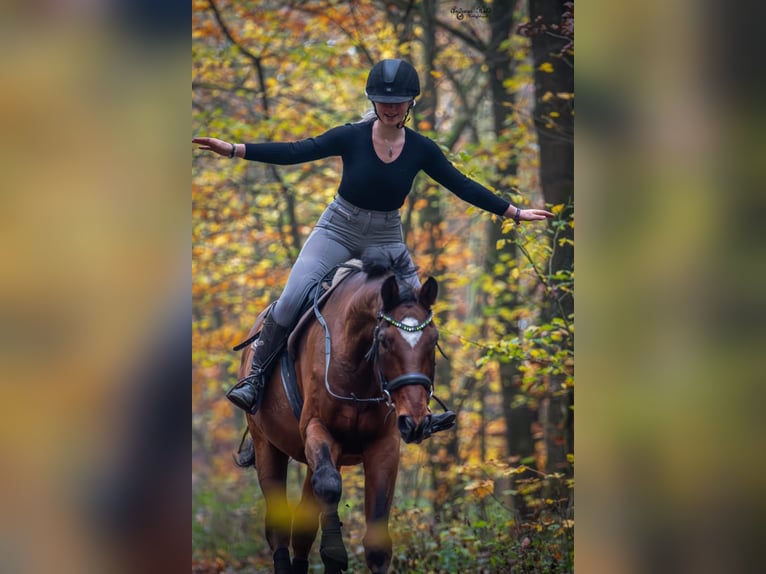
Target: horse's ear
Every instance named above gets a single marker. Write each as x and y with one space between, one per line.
428 293
389 292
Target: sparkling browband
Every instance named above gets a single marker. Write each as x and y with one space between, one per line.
408 328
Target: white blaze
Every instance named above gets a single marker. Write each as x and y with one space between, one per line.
412 337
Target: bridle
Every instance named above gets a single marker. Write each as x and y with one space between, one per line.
413 378
386 386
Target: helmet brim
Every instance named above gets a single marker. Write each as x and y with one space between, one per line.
390 99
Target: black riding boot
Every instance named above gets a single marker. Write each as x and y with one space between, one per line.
248 392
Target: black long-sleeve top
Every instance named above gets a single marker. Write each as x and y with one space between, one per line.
367 181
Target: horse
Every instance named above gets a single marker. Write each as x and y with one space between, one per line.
365 371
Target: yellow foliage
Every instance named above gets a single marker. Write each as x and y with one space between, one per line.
241 232
481 488
424 125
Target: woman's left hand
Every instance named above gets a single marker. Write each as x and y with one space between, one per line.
528 214
534 214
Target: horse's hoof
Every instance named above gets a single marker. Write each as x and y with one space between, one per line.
333 552
331 549
282 561
300 566
335 560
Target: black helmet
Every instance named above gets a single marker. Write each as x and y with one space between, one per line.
392 82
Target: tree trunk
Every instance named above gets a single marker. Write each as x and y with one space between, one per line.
518 418
554 120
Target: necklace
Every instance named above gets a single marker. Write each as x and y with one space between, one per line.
390 145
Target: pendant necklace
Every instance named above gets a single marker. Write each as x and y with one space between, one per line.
390 146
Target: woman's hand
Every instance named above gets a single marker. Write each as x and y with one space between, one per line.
213 144
527 214
534 214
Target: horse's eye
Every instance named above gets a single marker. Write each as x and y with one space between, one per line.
385 342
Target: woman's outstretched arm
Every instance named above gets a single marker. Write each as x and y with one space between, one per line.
220 147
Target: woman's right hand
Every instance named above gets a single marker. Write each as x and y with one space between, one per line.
214 144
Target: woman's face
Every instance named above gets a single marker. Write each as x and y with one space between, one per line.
392 114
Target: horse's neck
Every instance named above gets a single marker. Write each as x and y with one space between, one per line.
359 324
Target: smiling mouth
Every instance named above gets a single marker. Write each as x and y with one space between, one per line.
391 116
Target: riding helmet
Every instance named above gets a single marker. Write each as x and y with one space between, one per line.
392 82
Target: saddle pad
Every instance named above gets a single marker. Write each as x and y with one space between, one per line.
290 383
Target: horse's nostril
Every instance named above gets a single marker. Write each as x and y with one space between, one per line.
412 432
406 428
406 424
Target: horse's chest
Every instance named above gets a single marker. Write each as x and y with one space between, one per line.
353 425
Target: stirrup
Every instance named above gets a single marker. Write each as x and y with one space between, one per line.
443 421
245 455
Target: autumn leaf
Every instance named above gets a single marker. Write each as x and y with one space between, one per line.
481 488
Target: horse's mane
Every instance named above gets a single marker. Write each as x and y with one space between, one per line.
378 262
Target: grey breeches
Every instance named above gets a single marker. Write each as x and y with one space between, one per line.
343 232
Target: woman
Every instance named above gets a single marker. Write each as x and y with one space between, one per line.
380 160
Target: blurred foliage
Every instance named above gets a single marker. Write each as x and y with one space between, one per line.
478 530
276 71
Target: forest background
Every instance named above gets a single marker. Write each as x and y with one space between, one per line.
496 493
95 237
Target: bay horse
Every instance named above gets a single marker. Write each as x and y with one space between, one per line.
366 377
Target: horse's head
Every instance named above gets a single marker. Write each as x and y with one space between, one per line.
406 341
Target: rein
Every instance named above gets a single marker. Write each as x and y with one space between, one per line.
327 358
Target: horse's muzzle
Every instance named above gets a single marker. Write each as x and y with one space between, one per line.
414 433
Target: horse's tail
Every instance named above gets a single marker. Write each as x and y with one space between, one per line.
376 262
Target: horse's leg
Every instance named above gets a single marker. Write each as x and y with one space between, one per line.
305 524
271 465
381 466
322 454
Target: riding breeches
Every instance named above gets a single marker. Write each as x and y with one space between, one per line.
343 232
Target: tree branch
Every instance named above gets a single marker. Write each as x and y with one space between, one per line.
356 42
471 39
292 246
